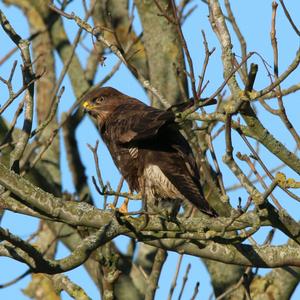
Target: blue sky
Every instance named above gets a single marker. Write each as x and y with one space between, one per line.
254 18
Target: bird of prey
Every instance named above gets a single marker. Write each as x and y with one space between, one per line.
149 151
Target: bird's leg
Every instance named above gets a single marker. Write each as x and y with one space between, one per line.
190 211
124 208
142 211
173 218
145 209
169 209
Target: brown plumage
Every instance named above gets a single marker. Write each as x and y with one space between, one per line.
148 149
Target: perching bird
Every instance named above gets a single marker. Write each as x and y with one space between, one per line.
149 150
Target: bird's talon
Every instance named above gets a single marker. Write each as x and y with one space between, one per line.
124 207
174 220
111 206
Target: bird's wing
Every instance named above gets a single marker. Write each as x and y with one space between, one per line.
180 168
135 122
182 148
176 170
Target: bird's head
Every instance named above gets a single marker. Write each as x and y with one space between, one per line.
101 102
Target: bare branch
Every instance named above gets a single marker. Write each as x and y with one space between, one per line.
174 281
184 280
160 258
289 18
28 76
100 37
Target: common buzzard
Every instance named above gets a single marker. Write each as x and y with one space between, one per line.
148 149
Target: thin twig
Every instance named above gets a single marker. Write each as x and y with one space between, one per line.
255 155
174 281
196 291
289 17
184 280
185 49
18 93
281 112
208 53
15 280
52 114
8 55
100 37
216 163
108 76
96 160
260 179
221 87
18 112
70 58
248 270
239 35
255 180
28 76
292 67
234 287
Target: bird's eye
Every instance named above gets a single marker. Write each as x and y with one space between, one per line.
100 99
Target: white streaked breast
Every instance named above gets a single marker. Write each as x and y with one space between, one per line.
159 184
133 152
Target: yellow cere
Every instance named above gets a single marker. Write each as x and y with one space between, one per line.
86 105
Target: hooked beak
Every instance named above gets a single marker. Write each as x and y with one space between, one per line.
87 106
